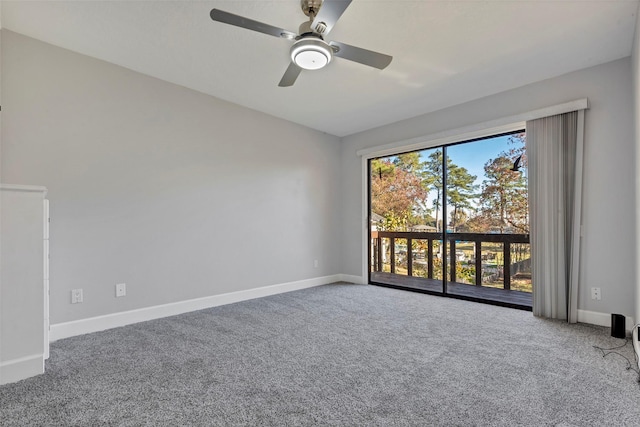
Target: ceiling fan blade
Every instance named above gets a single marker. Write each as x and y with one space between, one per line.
330 12
363 56
250 24
290 76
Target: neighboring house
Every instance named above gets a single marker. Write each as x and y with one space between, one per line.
375 221
421 228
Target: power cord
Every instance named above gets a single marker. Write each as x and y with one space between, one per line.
608 351
635 331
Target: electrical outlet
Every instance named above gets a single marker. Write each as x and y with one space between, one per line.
121 289
596 294
76 296
315 263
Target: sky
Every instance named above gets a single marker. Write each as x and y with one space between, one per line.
474 155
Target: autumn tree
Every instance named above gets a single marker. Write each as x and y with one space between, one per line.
477 224
396 188
518 148
411 163
504 198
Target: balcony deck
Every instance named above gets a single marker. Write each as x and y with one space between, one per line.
386 254
505 297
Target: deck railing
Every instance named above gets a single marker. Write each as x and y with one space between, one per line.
478 239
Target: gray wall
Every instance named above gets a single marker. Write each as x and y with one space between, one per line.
608 256
176 193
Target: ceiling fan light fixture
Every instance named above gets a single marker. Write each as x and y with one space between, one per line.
311 53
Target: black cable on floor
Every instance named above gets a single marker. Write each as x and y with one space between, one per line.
608 351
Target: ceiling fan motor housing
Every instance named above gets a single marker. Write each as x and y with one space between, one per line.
311 52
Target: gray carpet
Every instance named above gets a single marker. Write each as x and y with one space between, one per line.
333 355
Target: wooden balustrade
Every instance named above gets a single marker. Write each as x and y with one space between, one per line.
452 238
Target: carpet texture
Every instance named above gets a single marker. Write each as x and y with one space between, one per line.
339 354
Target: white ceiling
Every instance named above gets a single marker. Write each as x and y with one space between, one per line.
445 51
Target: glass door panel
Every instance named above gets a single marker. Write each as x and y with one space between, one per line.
487 218
406 216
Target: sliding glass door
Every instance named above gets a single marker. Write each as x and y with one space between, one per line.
453 220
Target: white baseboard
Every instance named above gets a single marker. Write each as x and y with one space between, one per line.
601 319
100 323
351 279
21 368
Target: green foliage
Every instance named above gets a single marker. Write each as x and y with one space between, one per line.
464 273
432 180
393 222
460 191
408 162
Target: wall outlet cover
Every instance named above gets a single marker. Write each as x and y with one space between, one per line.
76 296
121 289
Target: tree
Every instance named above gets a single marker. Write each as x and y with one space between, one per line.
392 222
396 188
478 223
460 218
433 181
460 186
460 192
504 196
520 148
409 162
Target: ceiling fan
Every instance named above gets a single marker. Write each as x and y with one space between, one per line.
310 51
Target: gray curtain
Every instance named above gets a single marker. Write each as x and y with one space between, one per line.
554 154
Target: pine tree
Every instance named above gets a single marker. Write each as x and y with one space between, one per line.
460 191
